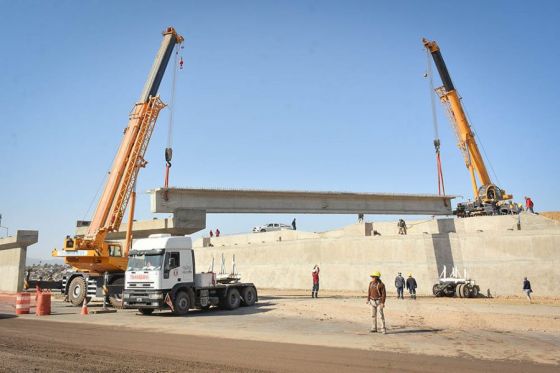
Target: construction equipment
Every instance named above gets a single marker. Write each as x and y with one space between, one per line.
453 285
92 255
161 275
489 199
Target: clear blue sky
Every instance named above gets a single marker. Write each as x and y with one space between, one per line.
313 95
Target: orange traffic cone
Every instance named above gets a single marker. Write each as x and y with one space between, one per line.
84 308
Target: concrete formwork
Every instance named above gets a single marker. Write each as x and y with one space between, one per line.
497 256
13 252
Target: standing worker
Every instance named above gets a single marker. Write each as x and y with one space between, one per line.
411 286
529 204
402 226
376 299
315 275
294 224
527 289
399 284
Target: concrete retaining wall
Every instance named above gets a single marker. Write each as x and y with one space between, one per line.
497 259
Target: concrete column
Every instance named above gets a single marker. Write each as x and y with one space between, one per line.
13 252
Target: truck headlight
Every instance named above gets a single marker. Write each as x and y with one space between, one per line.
126 295
156 296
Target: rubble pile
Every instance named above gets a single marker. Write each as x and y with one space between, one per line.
47 272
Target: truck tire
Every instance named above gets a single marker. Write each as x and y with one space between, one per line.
116 298
181 303
231 300
466 291
459 290
475 291
146 311
77 291
435 290
249 295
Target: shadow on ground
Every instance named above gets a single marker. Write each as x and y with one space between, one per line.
260 307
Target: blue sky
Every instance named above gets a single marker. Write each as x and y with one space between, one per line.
313 95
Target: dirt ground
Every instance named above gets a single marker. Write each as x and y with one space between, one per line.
288 330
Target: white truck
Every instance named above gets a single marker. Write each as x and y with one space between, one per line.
161 275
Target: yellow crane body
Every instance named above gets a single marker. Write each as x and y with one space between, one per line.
483 188
92 253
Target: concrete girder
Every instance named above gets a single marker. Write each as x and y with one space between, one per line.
296 202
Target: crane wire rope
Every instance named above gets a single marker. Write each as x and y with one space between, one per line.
437 143
94 198
169 147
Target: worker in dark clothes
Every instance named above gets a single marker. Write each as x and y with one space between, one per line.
376 299
527 289
411 286
294 224
402 226
315 275
399 284
217 232
529 205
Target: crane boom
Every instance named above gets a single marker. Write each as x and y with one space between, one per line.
92 252
486 192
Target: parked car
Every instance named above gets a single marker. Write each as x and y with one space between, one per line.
271 227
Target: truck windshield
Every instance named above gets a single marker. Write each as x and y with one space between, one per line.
145 262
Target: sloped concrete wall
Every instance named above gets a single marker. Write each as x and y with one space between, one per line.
497 261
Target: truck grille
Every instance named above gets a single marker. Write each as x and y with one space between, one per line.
141 285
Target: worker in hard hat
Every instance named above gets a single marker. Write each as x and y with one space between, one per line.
399 284
376 299
411 286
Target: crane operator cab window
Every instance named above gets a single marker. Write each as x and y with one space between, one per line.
171 262
115 250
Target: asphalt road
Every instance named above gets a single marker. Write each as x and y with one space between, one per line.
35 345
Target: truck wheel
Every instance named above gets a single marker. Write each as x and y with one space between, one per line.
232 299
459 290
249 295
466 291
435 290
77 291
181 303
475 291
146 311
116 298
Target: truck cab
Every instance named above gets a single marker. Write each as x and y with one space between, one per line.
161 275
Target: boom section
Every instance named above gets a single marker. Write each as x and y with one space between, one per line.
130 156
452 102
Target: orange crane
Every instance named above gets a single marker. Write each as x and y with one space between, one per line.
489 199
95 260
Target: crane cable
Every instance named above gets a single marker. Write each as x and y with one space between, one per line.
437 143
177 64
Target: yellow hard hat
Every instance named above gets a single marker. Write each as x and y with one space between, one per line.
410 275
375 274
